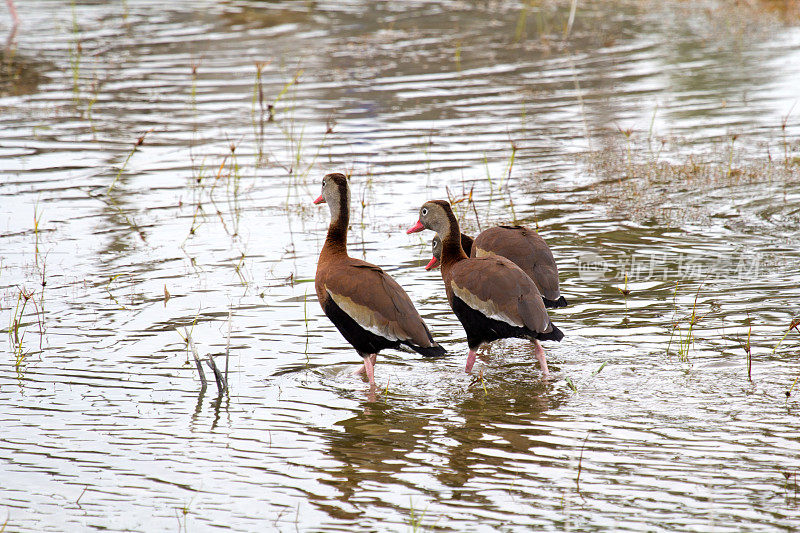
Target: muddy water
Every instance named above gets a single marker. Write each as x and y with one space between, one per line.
122 254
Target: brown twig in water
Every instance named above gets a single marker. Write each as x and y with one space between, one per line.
330 123
78 501
508 179
136 145
228 345
197 362
749 357
222 385
793 325
789 392
784 122
580 465
474 208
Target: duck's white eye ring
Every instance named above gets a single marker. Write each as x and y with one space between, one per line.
424 211
323 183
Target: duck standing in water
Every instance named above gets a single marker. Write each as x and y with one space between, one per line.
520 245
491 296
365 304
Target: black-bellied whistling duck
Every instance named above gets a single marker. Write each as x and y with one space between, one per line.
520 245
491 296
365 304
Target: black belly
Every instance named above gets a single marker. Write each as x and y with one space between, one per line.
365 342
481 328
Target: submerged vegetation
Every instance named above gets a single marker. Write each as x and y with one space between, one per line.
682 331
671 182
670 179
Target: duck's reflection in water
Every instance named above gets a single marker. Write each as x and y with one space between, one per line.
432 449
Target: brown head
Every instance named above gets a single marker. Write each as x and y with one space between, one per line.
436 250
437 215
336 193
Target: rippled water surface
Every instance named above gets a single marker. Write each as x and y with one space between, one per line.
157 171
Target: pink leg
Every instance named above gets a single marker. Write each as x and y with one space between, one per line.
371 395
539 352
471 360
362 368
369 367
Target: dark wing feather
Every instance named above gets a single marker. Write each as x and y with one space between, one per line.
525 248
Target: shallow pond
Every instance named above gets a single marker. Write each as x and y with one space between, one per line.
157 172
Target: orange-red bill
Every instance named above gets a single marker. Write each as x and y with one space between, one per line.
320 200
433 263
417 227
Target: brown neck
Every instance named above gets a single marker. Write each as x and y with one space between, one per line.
336 241
466 244
452 252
